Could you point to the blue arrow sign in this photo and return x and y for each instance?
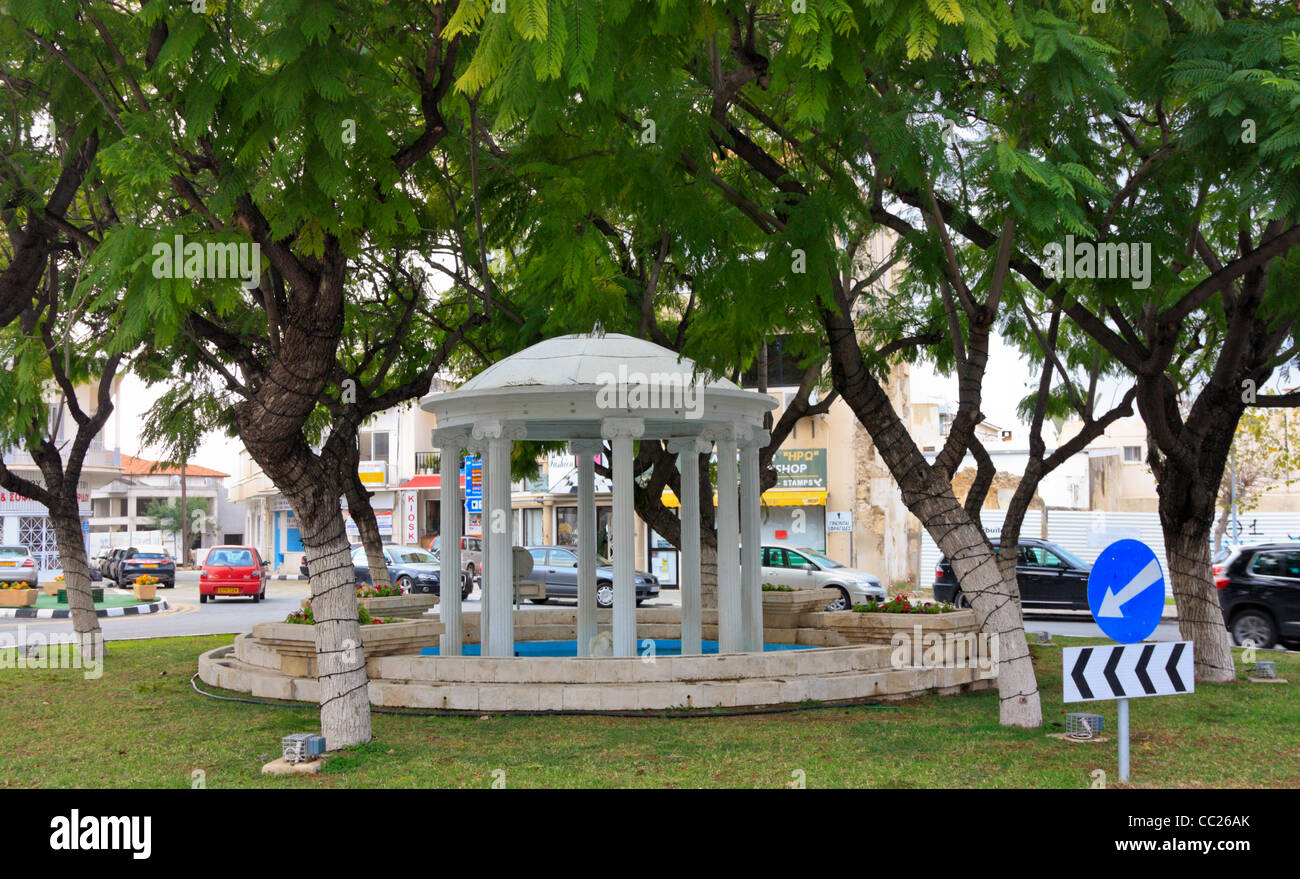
(1126, 591)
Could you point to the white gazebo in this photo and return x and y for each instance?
(585, 390)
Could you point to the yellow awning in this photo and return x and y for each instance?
(776, 497)
(795, 497)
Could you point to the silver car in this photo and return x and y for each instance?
(801, 567)
(16, 563)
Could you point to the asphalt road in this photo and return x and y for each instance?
(185, 616)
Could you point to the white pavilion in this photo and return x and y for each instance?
(586, 390)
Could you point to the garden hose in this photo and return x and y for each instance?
(689, 714)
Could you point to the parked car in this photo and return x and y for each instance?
(302, 566)
(108, 567)
(230, 571)
(1259, 591)
(99, 562)
(1048, 574)
(471, 556)
(16, 564)
(154, 560)
(557, 566)
(801, 567)
(414, 569)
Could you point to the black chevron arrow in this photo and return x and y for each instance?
(1076, 673)
(1142, 669)
(1111, 678)
(1171, 668)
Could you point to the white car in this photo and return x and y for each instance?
(802, 568)
(16, 563)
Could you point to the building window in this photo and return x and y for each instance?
(945, 423)
(374, 445)
(1132, 454)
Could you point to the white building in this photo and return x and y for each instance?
(119, 510)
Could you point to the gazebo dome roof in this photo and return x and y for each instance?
(571, 360)
(563, 388)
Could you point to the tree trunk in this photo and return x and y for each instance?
(993, 595)
(66, 519)
(708, 571)
(1200, 616)
(364, 515)
(340, 659)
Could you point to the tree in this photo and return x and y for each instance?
(175, 517)
(1199, 165)
(792, 129)
(1263, 459)
(308, 138)
(55, 212)
(50, 356)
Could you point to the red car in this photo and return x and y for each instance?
(232, 570)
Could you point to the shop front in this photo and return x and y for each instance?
(24, 522)
(793, 511)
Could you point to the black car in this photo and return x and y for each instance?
(138, 561)
(1049, 576)
(414, 569)
(558, 566)
(1259, 591)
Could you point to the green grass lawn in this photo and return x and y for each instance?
(142, 725)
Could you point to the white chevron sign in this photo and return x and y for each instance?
(1125, 671)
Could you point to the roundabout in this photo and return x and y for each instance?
(732, 647)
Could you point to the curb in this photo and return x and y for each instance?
(285, 577)
(51, 613)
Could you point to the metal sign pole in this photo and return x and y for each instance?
(1123, 740)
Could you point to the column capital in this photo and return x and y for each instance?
(686, 445)
(586, 447)
(758, 438)
(727, 433)
(622, 428)
(447, 437)
(496, 428)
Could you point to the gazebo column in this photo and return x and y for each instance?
(622, 431)
(499, 562)
(688, 451)
(728, 523)
(450, 441)
(478, 448)
(751, 554)
(586, 451)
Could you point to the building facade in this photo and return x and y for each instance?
(120, 509)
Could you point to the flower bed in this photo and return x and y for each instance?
(903, 604)
(18, 593)
(878, 622)
(294, 640)
(391, 601)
